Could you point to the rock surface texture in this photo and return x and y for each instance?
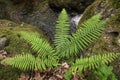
(39, 12)
(109, 9)
(110, 40)
(3, 42)
(76, 5)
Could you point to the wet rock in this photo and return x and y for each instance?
(108, 9)
(109, 41)
(3, 42)
(11, 40)
(39, 12)
(35, 12)
(77, 5)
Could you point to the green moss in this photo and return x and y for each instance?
(8, 73)
(97, 7)
(16, 44)
(106, 7)
(42, 6)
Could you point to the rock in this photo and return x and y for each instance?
(39, 12)
(10, 39)
(108, 9)
(77, 5)
(35, 12)
(3, 42)
(119, 41)
(2, 57)
(3, 52)
(109, 41)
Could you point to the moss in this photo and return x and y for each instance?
(8, 73)
(16, 44)
(42, 6)
(99, 6)
(109, 9)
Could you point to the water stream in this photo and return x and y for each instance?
(75, 19)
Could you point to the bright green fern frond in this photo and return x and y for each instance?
(62, 29)
(39, 45)
(90, 31)
(92, 62)
(23, 62)
(29, 62)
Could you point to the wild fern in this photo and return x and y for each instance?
(90, 63)
(89, 31)
(62, 30)
(27, 62)
(38, 45)
(44, 58)
(65, 46)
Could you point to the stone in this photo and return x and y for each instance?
(10, 39)
(3, 42)
(39, 12)
(111, 35)
(77, 5)
(109, 41)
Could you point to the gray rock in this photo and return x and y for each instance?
(3, 42)
(76, 5)
(38, 12)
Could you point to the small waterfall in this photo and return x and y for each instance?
(75, 19)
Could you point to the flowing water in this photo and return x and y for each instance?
(75, 20)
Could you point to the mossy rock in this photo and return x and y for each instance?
(16, 45)
(109, 40)
(35, 12)
(9, 73)
(10, 30)
(76, 5)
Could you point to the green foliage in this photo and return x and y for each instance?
(44, 58)
(28, 62)
(62, 30)
(91, 63)
(105, 72)
(8, 73)
(65, 47)
(89, 31)
(39, 45)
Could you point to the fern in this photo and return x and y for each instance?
(28, 62)
(39, 45)
(44, 59)
(62, 30)
(91, 63)
(65, 46)
(90, 31)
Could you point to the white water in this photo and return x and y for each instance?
(75, 20)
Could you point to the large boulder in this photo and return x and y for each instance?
(110, 40)
(77, 5)
(39, 12)
(10, 40)
(9, 31)
(35, 12)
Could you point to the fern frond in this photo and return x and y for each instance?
(90, 31)
(29, 62)
(92, 62)
(62, 29)
(39, 45)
